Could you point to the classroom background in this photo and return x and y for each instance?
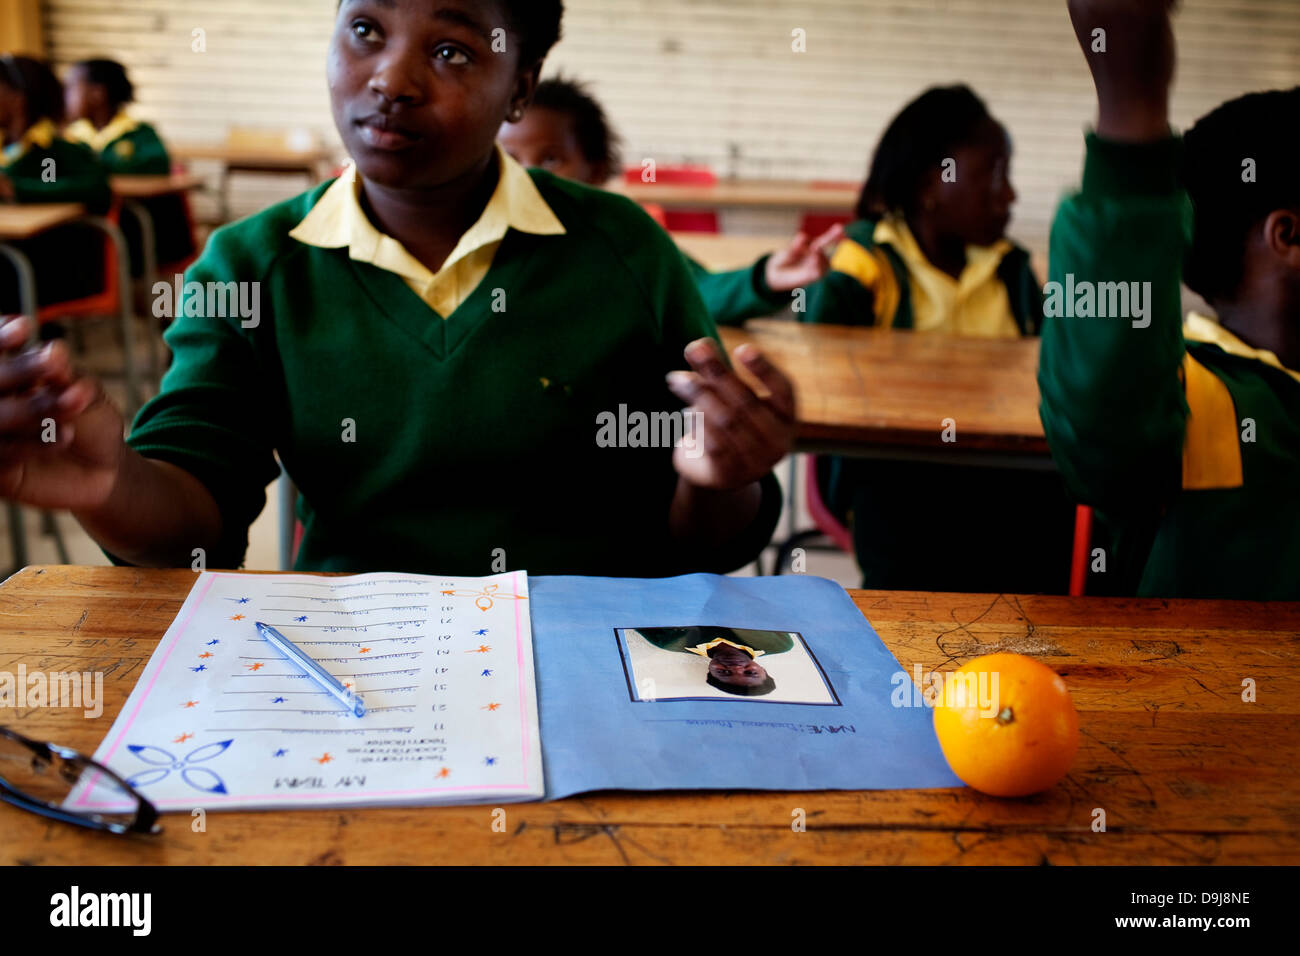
(713, 83)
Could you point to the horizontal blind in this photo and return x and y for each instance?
(709, 81)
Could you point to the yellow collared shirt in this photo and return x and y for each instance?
(337, 221)
(703, 649)
(976, 303)
(1199, 328)
(83, 131)
(41, 134)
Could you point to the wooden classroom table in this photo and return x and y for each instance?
(151, 187)
(745, 193)
(1186, 772)
(25, 221)
(722, 252)
(255, 158)
(886, 393)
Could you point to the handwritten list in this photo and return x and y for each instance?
(221, 719)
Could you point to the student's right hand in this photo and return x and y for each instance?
(42, 396)
(1132, 64)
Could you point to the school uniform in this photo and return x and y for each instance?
(68, 261)
(442, 421)
(128, 147)
(702, 640)
(937, 526)
(737, 295)
(1185, 439)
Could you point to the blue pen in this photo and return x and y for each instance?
(327, 681)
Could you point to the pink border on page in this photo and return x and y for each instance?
(212, 799)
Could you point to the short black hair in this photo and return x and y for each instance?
(536, 23)
(1261, 127)
(916, 141)
(596, 138)
(38, 84)
(111, 75)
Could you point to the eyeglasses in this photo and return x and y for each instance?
(64, 785)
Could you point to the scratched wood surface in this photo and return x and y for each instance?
(1185, 770)
(860, 385)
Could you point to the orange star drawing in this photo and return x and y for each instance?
(326, 758)
(237, 617)
(347, 684)
(448, 592)
(444, 772)
(365, 650)
(490, 707)
(206, 654)
(255, 667)
(182, 738)
(481, 649)
(190, 703)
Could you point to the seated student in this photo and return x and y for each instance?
(97, 93)
(430, 343)
(928, 252)
(37, 166)
(565, 131)
(1184, 437)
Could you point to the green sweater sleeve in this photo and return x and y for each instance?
(838, 299)
(1112, 401)
(740, 294)
(220, 403)
(139, 153)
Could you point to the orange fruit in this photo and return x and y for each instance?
(1006, 725)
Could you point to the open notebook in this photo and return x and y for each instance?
(692, 682)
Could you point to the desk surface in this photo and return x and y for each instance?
(254, 157)
(147, 187)
(23, 222)
(1186, 772)
(745, 192)
(881, 387)
(720, 252)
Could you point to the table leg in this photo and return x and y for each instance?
(28, 305)
(149, 276)
(124, 307)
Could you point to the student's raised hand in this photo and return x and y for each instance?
(739, 436)
(60, 437)
(802, 262)
(1129, 46)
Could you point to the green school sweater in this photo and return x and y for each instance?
(68, 261)
(138, 153)
(442, 445)
(1116, 410)
(738, 295)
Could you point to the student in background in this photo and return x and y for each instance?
(38, 166)
(1185, 437)
(97, 94)
(928, 252)
(429, 343)
(566, 132)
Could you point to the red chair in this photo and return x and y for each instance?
(108, 301)
(824, 519)
(682, 220)
(1082, 550)
(813, 224)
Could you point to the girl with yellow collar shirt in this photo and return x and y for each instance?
(97, 94)
(928, 253)
(37, 166)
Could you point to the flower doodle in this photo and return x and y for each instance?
(200, 778)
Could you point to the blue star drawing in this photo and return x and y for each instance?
(201, 667)
(490, 761)
(278, 700)
(301, 619)
(280, 753)
(486, 673)
(213, 641)
(200, 778)
(238, 600)
(481, 631)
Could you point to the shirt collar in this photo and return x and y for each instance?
(981, 261)
(83, 131)
(41, 135)
(337, 221)
(1200, 328)
(703, 649)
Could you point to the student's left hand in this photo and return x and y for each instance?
(739, 436)
(802, 262)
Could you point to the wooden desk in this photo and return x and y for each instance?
(150, 187)
(23, 222)
(1186, 772)
(863, 388)
(260, 158)
(722, 252)
(750, 193)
